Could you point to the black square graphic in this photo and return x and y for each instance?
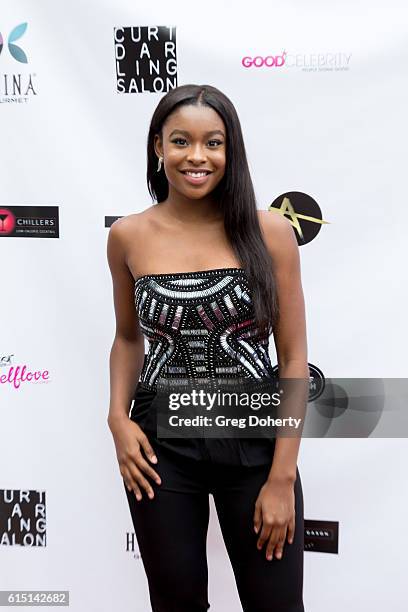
(145, 58)
(322, 536)
(22, 517)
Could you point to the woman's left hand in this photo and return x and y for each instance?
(275, 512)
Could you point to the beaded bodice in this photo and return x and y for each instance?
(199, 325)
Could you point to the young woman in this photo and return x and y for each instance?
(206, 278)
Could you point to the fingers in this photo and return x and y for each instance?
(140, 481)
(274, 532)
(134, 467)
(145, 467)
(291, 530)
(257, 517)
(148, 449)
(276, 543)
(137, 465)
(131, 484)
(264, 535)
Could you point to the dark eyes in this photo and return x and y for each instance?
(176, 140)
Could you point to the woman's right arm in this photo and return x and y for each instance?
(126, 362)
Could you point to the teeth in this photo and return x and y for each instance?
(196, 174)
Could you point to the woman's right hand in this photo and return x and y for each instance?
(129, 439)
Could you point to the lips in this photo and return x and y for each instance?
(196, 171)
(196, 180)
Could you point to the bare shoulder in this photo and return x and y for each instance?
(131, 223)
(131, 229)
(277, 232)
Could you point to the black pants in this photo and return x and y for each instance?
(171, 530)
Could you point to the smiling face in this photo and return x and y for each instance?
(194, 150)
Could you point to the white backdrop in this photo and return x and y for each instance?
(338, 135)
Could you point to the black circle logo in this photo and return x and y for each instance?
(303, 212)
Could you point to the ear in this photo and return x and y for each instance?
(158, 147)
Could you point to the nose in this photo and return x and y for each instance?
(196, 153)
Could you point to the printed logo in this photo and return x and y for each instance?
(15, 87)
(15, 50)
(316, 381)
(16, 375)
(145, 59)
(22, 517)
(303, 213)
(307, 62)
(321, 536)
(132, 545)
(7, 222)
(29, 222)
(275, 61)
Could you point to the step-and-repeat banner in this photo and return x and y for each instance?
(321, 93)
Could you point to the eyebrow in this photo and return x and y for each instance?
(188, 133)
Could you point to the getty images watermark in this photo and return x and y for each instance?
(214, 408)
(284, 407)
(214, 401)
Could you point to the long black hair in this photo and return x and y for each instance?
(235, 194)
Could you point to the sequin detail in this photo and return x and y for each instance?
(199, 325)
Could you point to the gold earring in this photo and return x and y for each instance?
(159, 165)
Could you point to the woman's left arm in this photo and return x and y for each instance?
(274, 509)
(290, 332)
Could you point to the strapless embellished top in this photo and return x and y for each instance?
(199, 325)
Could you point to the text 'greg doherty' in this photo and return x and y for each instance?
(207, 400)
(222, 421)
